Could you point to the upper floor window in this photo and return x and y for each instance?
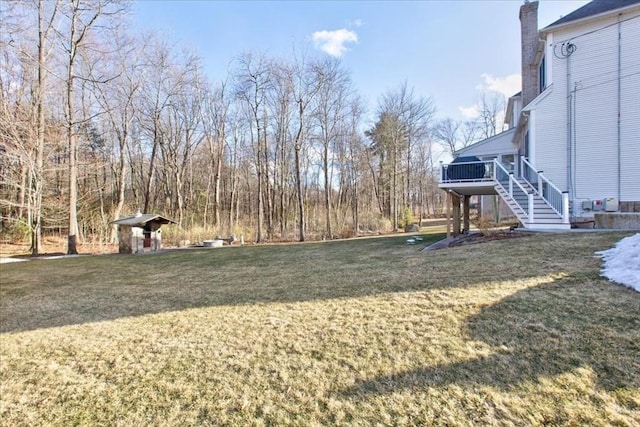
(542, 73)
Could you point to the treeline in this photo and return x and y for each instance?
(96, 122)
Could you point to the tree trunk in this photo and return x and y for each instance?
(36, 226)
(122, 180)
(301, 221)
(259, 236)
(72, 143)
(154, 150)
(327, 189)
(395, 188)
(216, 185)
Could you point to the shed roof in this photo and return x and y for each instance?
(596, 7)
(141, 220)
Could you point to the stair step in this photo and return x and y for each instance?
(543, 214)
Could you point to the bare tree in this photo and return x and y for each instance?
(215, 117)
(330, 111)
(454, 135)
(447, 133)
(281, 113)
(306, 84)
(253, 80)
(403, 119)
(182, 130)
(45, 25)
(26, 26)
(118, 101)
(469, 133)
(83, 17)
(355, 159)
(491, 114)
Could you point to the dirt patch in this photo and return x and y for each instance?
(475, 238)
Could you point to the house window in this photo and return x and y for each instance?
(509, 161)
(542, 73)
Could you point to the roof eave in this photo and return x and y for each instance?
(510, 105)
(482, 142)
(130, 221)
(553, 27)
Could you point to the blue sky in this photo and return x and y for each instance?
(446, 50)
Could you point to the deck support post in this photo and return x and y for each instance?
(465, 214)
(449, 202)
(455, 198)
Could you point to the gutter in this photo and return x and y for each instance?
(523, 120)
(619, 11)
(539, 52)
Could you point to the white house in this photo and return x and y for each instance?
(575, 127)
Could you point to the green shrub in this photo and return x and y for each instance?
(407, 218)
(17, 231)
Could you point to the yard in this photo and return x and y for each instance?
(359, 332)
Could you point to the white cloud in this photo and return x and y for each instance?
(469, 113)
(355, 23)
(507, 86)
(334, 42)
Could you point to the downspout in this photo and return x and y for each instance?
(619, 136)
(569, 139)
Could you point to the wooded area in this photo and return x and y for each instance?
(96, 122)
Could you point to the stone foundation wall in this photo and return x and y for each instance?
(617, 220)
(629, 206)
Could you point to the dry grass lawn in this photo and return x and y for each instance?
(361, 332)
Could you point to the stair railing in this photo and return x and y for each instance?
(516, 191)
(558, 200)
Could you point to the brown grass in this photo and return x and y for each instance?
(361, 332)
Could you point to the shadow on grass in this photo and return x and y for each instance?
(52, 293)
(537, 333)
(45, 294)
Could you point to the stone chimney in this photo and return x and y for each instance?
(529, 45)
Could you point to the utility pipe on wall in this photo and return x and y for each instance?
(569, 152)
(619, 135)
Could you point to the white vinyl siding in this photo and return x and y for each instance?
(550, 59)
(630, 111)
(550, 142)
(593, 82)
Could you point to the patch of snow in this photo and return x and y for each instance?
(58, 256)
(622, 262)
(8, 260)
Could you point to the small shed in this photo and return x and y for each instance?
(140, 233)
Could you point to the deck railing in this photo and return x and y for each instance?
(558, 200)
(492, 170)
(467, 171)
